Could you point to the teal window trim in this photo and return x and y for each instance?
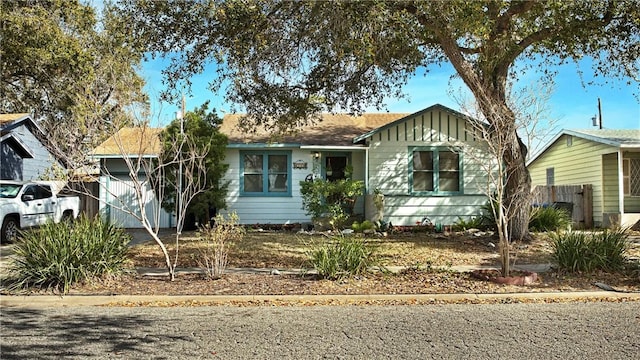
(436, 171)
(265, 174)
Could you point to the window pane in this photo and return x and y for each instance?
(422, 160)
(277, 164)
(278, 183)
(448, 161)
(252, 183)
(449, 181)
(253, 164)
(423, 181)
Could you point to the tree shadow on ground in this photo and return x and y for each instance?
(37, 334)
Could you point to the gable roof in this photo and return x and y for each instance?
(9, 122)
(621, 139)
(406, 117)
(332, 130)
(131, 141)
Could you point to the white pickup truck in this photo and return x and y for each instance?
(27, 204)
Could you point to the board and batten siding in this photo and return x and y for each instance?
(578, 162)
(389, 156)
(118, 201)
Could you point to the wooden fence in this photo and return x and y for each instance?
(579, 198)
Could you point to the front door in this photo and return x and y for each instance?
(335, 167)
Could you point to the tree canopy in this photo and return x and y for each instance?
(292, 59)
(287, 61)
(75, 72)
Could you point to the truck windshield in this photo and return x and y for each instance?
(9, 190)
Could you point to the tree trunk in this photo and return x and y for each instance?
(517, 190)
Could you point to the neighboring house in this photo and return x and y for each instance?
(117, 189)
(22, 155)
(427, 164)
(609, 160)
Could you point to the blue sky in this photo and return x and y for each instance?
(571, 105)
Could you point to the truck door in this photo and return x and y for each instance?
(32, 207)
(48, 203)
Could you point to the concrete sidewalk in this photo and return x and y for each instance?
(46, 301)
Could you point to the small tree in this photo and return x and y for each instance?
(202, 128)
(496, 140)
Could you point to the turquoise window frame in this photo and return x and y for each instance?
(436, 171)
(265, 172)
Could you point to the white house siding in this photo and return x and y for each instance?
(581, 162)
(118, 201)
(267, 210)
(389, 169)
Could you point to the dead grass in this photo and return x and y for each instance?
(286, 250)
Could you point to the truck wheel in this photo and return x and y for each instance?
(66, 216)
(10, 229)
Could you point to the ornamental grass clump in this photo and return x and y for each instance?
(215, 243)
(342, 257)
(587, 252)
(549, 219)
(56, 256)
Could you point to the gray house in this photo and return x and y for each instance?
(22, 155)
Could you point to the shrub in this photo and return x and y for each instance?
(341, 257)
(582, 252)
(363, 226)
(333, 200)
(549, 219)
(476, 222)
(56, 256)
(216, 241)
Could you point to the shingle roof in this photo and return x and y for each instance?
(624, 138)
(615, 137)
(134, 141)
(336, 130)
(9, 118)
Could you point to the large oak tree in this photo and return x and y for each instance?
(287, 61)
(73, 70)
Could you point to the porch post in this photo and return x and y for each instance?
(366, 170)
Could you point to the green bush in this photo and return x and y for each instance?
(476, 222)
(582, 252)
(363, 226)
(331, 199)
(56, 256)
(342, 257)
(549, 219)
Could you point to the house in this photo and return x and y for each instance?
(428, 164)
(128, 151)
(608, 160)
(23, 155)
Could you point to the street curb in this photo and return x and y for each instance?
(48, 301)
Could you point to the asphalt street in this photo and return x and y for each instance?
(498, 331)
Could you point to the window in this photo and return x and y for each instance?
(435, 171)
(551, 176)
(631, 176)
(265, 173)
(38, 191)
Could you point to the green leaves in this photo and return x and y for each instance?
(56, 256)
(333, 200)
